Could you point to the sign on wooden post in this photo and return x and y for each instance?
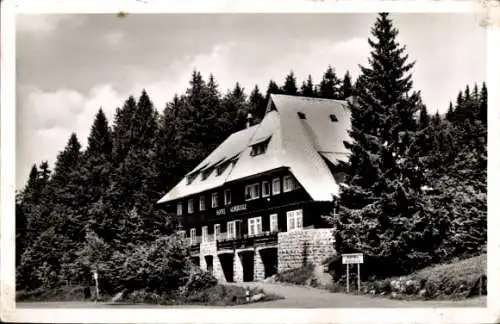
(353, 258)
(96, 284)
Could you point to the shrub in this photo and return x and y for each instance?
(199, 280)
(160, 267)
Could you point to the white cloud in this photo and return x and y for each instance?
(42, 24)
(48, 119)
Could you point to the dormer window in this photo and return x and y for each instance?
(206, 173)
(301, 115)
(221, 168)
(260, 147)
(333, 118)
(191, 177)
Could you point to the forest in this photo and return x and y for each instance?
(415, 193)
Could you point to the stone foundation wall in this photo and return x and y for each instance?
(237, 268)
(304, 246)
(210, 248)
(258, 266)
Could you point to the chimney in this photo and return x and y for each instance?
(249, 120)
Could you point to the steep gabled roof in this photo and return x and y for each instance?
(299, 131)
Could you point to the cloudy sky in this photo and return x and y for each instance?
(70, 65)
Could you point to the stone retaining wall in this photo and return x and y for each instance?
(210, 249)
(304, 246)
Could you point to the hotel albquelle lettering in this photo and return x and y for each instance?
(232, 209)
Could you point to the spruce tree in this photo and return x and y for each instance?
(272, 88)
(424, 118)
(257, 104)
(290, 86)
(308, 89)
(122, 130)
(483, 104)
(449, 113)
(380, 205)
(347, 89)
(329, 87)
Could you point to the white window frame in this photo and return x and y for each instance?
(226, 200)
(182, 234)
(268, 189)
(202, 203)
(216, 231)
(192, 235)
(276, 186)
(252, 188)
(215, 199)
(190, 206)
(254, 226)
(273, 223)
(231, 234)
(287, 183)
(204, 233)
(179, 208)
(294, 220)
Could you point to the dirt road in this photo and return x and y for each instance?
(295, 297)
(307, 297)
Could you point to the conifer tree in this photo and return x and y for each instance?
(381, 202)
(290, 86)
(308, 89)
(346, 90)
(449, 113)
(483, 104)
(257, 104)
(329, 86)
(424, 118)
(272, 88)
(122, 130)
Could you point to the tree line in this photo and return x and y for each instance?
(415, 191)
(97, 205)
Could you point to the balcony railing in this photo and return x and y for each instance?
(224, 240)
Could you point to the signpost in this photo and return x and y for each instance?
(96, 284)
(352, 258)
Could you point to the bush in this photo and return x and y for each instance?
(199, 280)
(160, 267)
(297, 276)
(461, 279)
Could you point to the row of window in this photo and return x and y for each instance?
(294, 222)
(252, 192)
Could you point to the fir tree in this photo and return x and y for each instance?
(257, 104)
(346, 90)
(329, 86)
(380, 204)
(122, 130)
(424, 118)
(308, 89)
(272, 88)
(290, 86)
(483, 104)
(449, 113)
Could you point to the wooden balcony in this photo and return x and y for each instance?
(245, 241)
(225, 242)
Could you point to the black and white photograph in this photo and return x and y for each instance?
(250, 161)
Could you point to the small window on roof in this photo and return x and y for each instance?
(333, 118)
(301, 115)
